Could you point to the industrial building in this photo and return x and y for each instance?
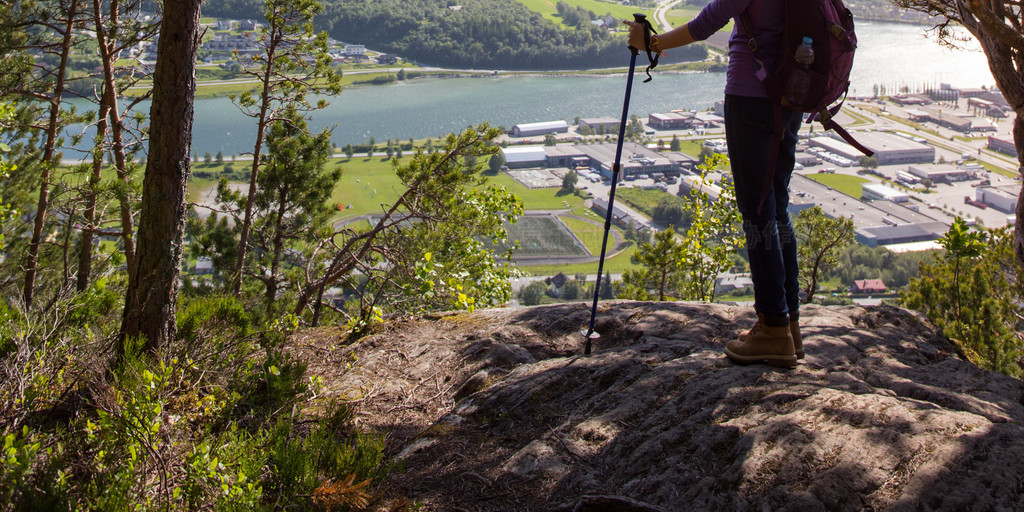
(671, 120)
(519, 157)
(879, 192)
(1002, 145)
(691, 183)
(599, 124)
(636, 159)
(535, 129)
(901, 234)
(1003, 199)
(889, 148)
(940, 173)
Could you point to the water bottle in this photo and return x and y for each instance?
(800, 78)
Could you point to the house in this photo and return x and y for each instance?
(354, 50)
(204, 266)
(247, 25)
(556, 283)
(387, 58)
(868, 286)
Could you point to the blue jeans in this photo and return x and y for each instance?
(771, 243)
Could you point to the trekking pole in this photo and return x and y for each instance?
(589, 333)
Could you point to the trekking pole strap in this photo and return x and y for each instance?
(652, 57)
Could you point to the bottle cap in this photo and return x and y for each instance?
(808, 41)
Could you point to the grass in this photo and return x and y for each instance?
(538, 198)
(646, 200)
(548, 9)
(365, 184)
(849, 185)
(616, 264)
(591, 233)
(543, 235)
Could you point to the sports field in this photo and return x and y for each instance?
(544, 236)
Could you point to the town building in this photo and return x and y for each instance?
(619, 216)
(568, 156)
(599, 124)
(889, 148)
(691, 183)
(902, 234)
(536, 129)
(675, 120)
(986, 108)
(1002, 145)
(227, 46)
(910, 99)
(868, 286)
(637, 160)
(879, 192)
(940, 173)
(520, 157)
(355, 50)
(1003, 199)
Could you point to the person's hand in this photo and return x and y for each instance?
(636, 35)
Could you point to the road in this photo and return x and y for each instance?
(661, 13)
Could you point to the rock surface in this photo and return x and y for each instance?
(497, 410)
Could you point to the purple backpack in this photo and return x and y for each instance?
(830, 25)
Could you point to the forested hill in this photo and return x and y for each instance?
(478, 34)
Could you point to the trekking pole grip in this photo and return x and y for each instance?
(642, 20)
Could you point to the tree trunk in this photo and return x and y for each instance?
(89, 221)
(107, 56)
(52, 127)
(278, 250)
(153, 285)
(261, 133)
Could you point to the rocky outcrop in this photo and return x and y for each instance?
(498, 410)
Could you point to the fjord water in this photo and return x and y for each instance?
(892, 55)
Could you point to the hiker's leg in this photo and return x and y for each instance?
(783, 172)
(748, 129)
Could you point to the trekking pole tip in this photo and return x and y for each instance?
(590, 336)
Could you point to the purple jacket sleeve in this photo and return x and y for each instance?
(714, 16)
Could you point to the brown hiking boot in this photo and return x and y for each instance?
(798, 341)
(757, 325)
(769, 344)
(794, 331)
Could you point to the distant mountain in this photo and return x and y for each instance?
(472, 34)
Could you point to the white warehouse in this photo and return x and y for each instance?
(518, 157)
(876, 191)
(535, 129)
(1000, 199)
(889, 148)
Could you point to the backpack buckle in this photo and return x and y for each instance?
(838, 31)
(752, 44)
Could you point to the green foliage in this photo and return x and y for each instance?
(857, 261)
(819, 239)
(481, 33)
(441, 257)
(194, 429)
(713, 235)
(661, 274)
(973, 294)
(569, 182)
(533, 293)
